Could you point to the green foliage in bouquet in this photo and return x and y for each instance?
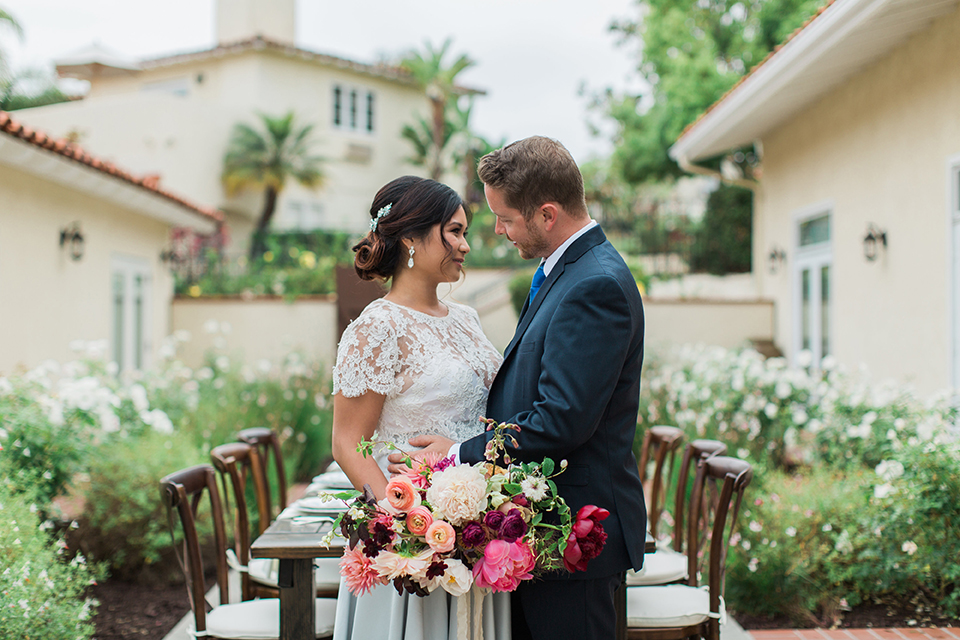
(41, 590)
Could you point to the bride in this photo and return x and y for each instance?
(410, 365)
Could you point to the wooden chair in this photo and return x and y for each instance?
(239, 462)
(182, 492)
(659, 443)
(669, 564)
(679, 611)
(268, 446)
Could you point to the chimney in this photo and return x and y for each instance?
(245, 19)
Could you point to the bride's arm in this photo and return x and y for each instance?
(355, 419)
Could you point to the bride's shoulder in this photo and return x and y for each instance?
(376, 317)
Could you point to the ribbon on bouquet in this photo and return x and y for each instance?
(470, 614)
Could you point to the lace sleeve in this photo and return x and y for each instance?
(368, 357)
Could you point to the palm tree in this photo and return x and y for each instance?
(8, 22)
(438, 82)
(268, 159)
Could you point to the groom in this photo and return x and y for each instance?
(570, 379)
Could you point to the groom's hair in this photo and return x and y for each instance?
(534, 171)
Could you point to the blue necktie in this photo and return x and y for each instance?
(538, 279)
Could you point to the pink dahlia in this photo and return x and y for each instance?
(358, 571)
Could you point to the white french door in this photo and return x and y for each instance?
(130, 283)
(812, 289)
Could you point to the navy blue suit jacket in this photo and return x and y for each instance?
(571, 380)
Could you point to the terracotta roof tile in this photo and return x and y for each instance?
(62, 147)
(752, 71)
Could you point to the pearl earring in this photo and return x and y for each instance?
(410, 261)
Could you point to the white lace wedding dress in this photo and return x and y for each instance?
(436, 374)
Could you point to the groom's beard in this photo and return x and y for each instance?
(534, 246)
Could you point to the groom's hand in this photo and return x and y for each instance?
(431, 444)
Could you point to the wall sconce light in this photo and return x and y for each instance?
(776, 258)
(71, 235)
(875, 238)
(171, 258)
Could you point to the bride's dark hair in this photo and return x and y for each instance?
(417, 205)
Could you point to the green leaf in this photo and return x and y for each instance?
(512, 488)
(547, 467)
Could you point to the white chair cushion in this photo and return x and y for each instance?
(260, 619)
(264, 571)
(326, 573)
(674, 605)
(663, 567)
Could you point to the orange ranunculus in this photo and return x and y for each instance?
(419, 520)
(440, 536)
(401, 494)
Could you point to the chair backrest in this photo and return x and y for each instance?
(268, 446)
(692, 454)
(182, 492)
(660, 443)
(717, 494)
(238, 462)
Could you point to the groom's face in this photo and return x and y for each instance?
(525, 235)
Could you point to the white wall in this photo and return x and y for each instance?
(263, 328)
(47, 299)
(874, 150)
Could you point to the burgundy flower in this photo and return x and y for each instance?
(474, 534)
(494, 519)
(436, 569)
(513, 526)
(586, 539)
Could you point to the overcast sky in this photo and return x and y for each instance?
(532, 55)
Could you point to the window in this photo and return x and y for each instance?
(812, 288)
(130, 313)
(337, 107)
(353, 109)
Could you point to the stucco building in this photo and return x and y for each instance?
(172, 116)
(857, 211)
(81, 246)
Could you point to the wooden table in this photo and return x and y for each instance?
(296, 545)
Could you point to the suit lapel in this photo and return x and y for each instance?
(584, 243)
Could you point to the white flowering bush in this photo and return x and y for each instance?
(854, 498)
(783, 416)
(110, 437)
(41, 589)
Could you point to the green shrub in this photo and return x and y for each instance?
(794, 533)
(124, 524)
(519, 288)
(41, 593)
(722, 242)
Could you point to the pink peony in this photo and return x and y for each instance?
(504, 565)
(401, 494)
(586, 539)
(358, 571)
(418, 520)
(440, 536)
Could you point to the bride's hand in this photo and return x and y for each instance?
(430, 444)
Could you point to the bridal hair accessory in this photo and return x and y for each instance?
(464, 527)
(380, 214)
(410, 261)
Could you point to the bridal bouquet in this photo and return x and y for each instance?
(456, 526)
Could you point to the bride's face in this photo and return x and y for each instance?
(444, 261)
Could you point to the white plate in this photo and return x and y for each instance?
(332, 480)
(313, 504)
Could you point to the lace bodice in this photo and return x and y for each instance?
(435, 372)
